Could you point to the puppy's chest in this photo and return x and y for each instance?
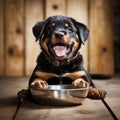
(45, 66)
(62, 73)
(60, 70)
(57, 79)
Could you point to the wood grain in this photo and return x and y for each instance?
(8, 95)
(55, 7)
(18, 49)
(33, 13)
(78, 9)
(14, 36)
(101, 37)
(1, 37)
(89, 110)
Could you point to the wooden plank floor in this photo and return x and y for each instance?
(91, 109)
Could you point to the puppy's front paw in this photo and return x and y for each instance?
(79, 83)
(95, 93)
(23, 93)
(39, 84)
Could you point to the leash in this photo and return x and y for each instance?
(103, 100)
(109, 109)
(20, 100)
(22, 94)
(107, 106)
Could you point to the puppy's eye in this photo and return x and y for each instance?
(53, 24)
(66, 25)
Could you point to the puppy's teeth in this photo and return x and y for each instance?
(68, 50)
(54, 48)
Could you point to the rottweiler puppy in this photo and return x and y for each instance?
(60, 39)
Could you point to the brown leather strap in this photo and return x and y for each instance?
(61, 62)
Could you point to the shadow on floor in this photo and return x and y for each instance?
(8, 101)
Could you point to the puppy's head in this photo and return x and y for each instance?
(60, 37)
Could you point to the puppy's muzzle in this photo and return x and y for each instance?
(60, 34)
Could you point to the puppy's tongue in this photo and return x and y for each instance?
(60, 50)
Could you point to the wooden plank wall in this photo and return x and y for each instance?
(34, 12)
(18, 49)
(1, 38)
(81, 16)
(14, 37)
(101, 53)
(55, 7)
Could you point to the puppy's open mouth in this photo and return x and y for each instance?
(61, 49)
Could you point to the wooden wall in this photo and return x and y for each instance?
(18, 49)
(101, 38)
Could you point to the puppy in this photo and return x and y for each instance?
(60, 39)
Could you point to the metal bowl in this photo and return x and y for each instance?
(59, 95)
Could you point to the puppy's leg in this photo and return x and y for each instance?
(79, 83)
(74, 75)
(41, 80)
(45, 75)
(39, 83)
(96, 93)
(24, 93)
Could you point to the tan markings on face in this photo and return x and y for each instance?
(53, 24)
(64, 40)
(66, 37)
(66, 25)
(44, 45)
(53, 39)
(42, 36)
(75, 46)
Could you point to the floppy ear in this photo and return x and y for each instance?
(82, 30)
(38, 30)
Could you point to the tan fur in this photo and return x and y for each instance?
(79, 83)
(39, 83)
(74, 75)
(44, 75)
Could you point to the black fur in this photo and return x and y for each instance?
(80, 28)
(55, 34)
(43, 64)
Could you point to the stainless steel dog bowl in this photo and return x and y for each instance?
(59, 95)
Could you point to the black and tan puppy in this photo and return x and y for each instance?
(60, 38)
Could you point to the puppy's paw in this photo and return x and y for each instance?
(23, 93)
(95, 93)
(39, 84)
(79, 83)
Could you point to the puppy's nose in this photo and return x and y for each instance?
(59, 34)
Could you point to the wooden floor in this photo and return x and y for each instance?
(90, 110)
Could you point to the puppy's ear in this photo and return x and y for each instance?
(38, 30)
(82, 30)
